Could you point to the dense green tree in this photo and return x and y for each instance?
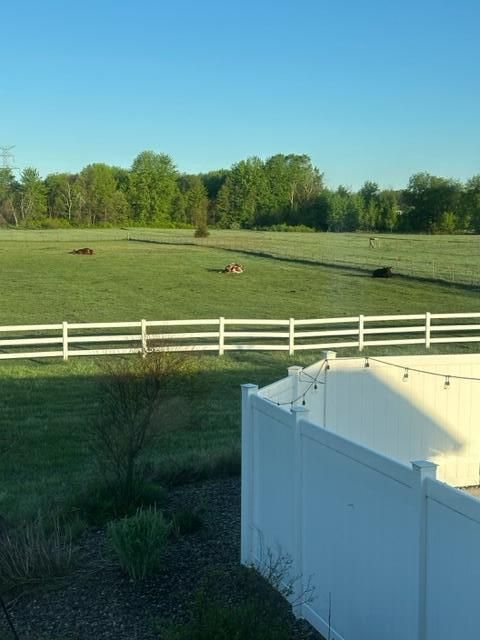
(8, 190)
(243, 194)
(64, 196)
(369, 194)
(337, 209)
(471, 204)
(429, 198)
(153, 188)
(387, 209)
(294, 184)
(195, 199)
(103, 201)
(32, 198)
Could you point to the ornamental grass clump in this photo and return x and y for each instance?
(35, 552)
(139, 542)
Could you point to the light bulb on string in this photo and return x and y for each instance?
(405, 375)
(447, 382)
(367, 364)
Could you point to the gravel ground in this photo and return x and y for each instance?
(98, 602)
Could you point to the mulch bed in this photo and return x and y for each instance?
(99, 602)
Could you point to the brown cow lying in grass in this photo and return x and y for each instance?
(233, 267)
(86, 251)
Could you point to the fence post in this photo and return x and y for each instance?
(294, 372)
(291, 337)
(246, 544)
(428, 321)
(423, 469)
(361, 321)
(65, 340)
(298, 594)
(221, 336)
(144, 338)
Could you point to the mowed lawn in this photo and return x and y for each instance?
(44, 406)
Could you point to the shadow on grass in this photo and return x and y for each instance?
(356, 269)
(44, 409)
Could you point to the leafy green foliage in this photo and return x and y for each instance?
(139, 542)
(152, 188)
(97, 193)
(254, 193)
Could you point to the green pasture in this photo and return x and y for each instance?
(450, 258)
(44, 405)
(42, 282)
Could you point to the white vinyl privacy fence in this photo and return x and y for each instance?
(390, 551)
(72, 339)
(405, 407)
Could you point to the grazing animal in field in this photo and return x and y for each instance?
(86, 251)
(233, 267)
(384, 272)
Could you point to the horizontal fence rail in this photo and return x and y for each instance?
(66, 340)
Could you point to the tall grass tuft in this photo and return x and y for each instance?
(139, 542)
(35, 552)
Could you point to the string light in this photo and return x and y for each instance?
(314, 381)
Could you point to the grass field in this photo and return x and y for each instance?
(42, 282)
(447, 258)
(44, 406)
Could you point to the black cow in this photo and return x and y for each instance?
(384, 272)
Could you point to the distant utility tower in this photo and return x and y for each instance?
(7, 156)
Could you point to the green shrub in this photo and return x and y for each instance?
(139, 542)
(202, 231)
(104, 501)
(130, 419)
(35, 552)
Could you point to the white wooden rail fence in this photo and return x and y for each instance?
(71, 339)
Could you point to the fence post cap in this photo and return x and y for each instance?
(249, 385)
(294, 370)
(299, 409)
(329, 355)
(425, 468)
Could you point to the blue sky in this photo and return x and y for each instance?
(369, 89)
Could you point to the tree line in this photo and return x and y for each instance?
(282, 192)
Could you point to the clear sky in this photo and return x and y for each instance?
(369, 89)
